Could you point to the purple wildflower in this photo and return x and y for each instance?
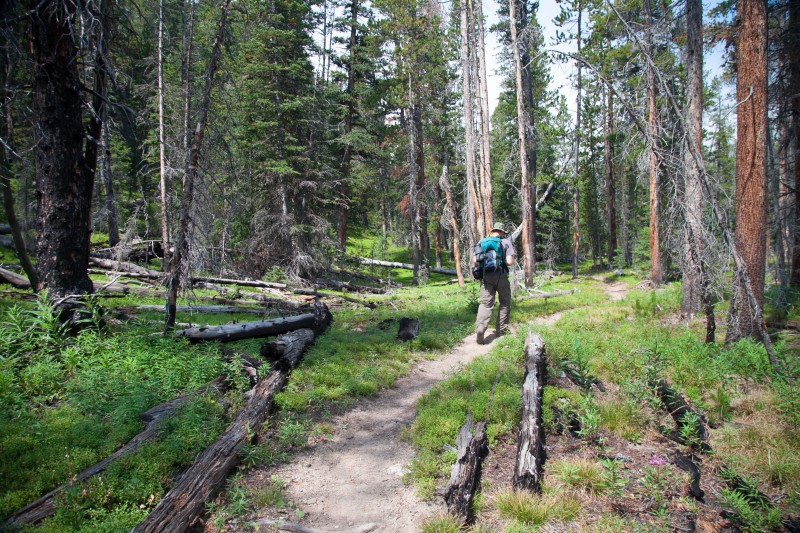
(657, 460)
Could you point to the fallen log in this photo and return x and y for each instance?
(182, 506)
(408, 329)
(547, 294)
(6, 241)
(686, 464)
(5, 229)
(125, 267)
(202, 309)
(584, 382)
(44, 507)
(17, 281)
(366, 277)
(683, 414)
(407, 266)
(306, 292)
(465, 473)
(347, 286)
(240, 282)
(530, 452)
(142, 251)
(252, 330)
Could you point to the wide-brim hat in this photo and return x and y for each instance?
(498, 226)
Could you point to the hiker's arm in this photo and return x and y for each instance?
(509, 260)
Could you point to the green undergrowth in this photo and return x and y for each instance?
(69, 401)
(628, 345)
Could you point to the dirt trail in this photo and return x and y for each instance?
(353, 481)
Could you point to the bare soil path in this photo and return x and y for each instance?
(353, 481)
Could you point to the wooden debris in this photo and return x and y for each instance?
(681, 413)
(347, 286)
(186, 501)
(203, 309)
(125, 267)
(407, 266)
(685, 463)
(408, 329)
(547, 294)
(260, 328)
(530, 452)
(306, 292)
(44, 507)
(16, 280)
(240, 282)
(471, 448)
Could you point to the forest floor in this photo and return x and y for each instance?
(352, 479)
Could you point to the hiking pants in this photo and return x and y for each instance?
(494, 282)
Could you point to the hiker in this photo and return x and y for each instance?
(493, 255)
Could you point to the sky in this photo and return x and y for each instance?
(561, 71)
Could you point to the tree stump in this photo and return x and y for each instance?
(408, 329)
(465, 472)
(530, 452)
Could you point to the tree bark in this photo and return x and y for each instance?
(164, 184)
(751, 148)
(475, 212)
(652, 117)
(186, 501)
(192, 169)
(451, 209)
(64, 181)
(576, 185)
(465, 473)
(7, 63)
(531, 451)
(260, 328)
(486, 167)
(611, 181)
(347, 156)
(693, 284)
(793, 45)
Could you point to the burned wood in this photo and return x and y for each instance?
(471, 448)
(125, 267)
(225, 309)
(683, 414)
(366, 277)
(14, 279)
(347, 286)
(685, 463)
(531, 452)
(6, 241)
(408, 329)
(186, 501)
(582, 380)
(406, 266)
(320, 318)
(306, 292)
(141, 252)
(547, 294)
(746, 488)
(240, 282)
(44, 507)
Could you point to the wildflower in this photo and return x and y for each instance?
(657, 460)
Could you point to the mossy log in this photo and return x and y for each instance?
(183, 505)
(471, 448)
(530, 451)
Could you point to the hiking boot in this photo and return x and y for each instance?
(479, 337)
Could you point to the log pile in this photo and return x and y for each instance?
(531, 451)
(183, 505)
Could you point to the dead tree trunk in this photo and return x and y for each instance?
(260, 328)
(465, 473)
(652, 117)
(530, 452)
(408, 266)
(451, 208)
(576, 185)
(682, 413)
(186, 501)
(192, 169)
(44, 507)
(476, 222)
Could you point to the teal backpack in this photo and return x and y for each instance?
(491, 256)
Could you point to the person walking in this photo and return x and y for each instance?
(494, 254)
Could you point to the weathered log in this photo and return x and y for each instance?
(682, 413)
(306, 292)
(142, 251)
(547, 294)
(366, 277)
(6, 241)
(240, 282)
(406, 266)
(44, 507)
(5, 229)
(126, 267)
(186, 501)
(203, 309)
(408, 329)
(248, 330)
(686, 464)
(16, 281)
(347, 286)
(530, 452)
(465, 473)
